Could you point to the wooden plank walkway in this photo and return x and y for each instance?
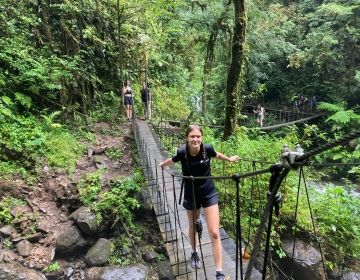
(164, 190)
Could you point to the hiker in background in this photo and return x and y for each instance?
(195, 158)
(302, 101)
(313, 103)
(260, 114)
(127, 96)
(146, 99)
(296, 104)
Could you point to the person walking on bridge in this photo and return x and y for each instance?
(195, 158)
(127, 96)
(260, 114)
(146, 99)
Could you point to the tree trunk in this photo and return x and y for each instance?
(208, 65)
(210, 46)
(233, 79)
(120, 11)
(44, 15)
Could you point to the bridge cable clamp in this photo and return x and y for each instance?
(289, 156)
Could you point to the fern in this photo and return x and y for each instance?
(330, 107)
(23, 99)
(341, 116)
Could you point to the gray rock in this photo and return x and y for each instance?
(132, 272)
(85, 220)
(307, 260)
(351, 276)
(149, 257)
(70, 240)
(75, 215)
(69, 271)
(24, 248)
(7, 230)
(145, 202)
(165, 271)
(99, 253)
(15, 271)
(7, 256)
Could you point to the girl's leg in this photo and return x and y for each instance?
(191, 221)
(213, 224)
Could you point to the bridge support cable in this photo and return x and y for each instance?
(197, 228)
(312, 221)
(280, 173)
(250, 210)
(284, 170)
(295, 228)
(236, 178)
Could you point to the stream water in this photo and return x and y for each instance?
(321, 186)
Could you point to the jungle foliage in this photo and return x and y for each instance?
(63, 63)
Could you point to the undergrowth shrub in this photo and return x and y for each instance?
(27, 142)
(6, 204)
(115, 201)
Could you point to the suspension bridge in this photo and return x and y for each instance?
(279, 117)
(164, 190)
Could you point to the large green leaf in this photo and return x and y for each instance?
(23, 99)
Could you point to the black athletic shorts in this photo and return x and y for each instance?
(128, 101)
(201, 201)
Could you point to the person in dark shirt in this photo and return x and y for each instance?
(195, 158)
(146, 99)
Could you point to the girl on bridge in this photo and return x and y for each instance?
(127, 95)
(195, 161)
(260, 114)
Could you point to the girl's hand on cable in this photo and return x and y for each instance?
(234, 158)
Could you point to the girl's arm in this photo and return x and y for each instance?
(223, 157)
(166, 162)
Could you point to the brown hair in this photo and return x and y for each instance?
(192, 127)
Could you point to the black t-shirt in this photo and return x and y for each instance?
(145, 94)
(198, 165)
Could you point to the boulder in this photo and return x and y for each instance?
(24, 248)
(132, 272)
(8, 256)
(7, 230)
(165, 271)
(85, 220)
(70, 240)
(15, 271)
(307, 261)
(99, 253)
(351, 276)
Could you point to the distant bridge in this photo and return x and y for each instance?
(278, 117)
